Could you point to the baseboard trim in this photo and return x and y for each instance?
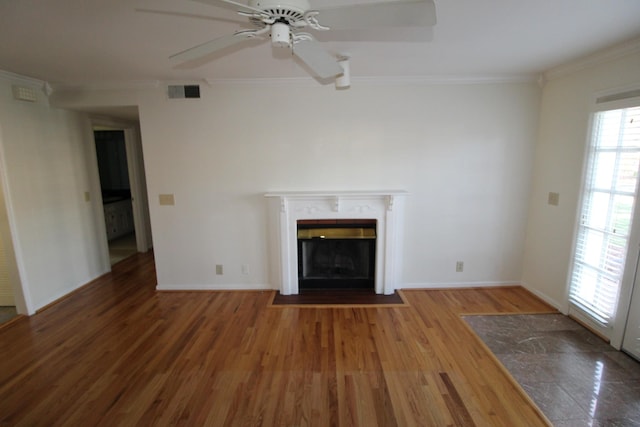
(70, 293)
(459, 285)
(216, 287)
(12, 320)
(544, 297)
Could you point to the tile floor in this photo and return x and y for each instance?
(7, 313)
(574, 377)
(122, 247)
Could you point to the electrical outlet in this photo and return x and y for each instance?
(459, 267)
(219, 269)
(553, 199)
(245, 269)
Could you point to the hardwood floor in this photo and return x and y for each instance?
(119, 353)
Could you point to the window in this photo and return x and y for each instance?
(608, 202)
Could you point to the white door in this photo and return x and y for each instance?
(607, 234)
(631, 341)
(606, 218)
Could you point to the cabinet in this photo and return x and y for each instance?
(118, 217)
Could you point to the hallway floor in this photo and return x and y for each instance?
(122, 247)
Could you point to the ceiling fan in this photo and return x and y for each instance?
(284, 21)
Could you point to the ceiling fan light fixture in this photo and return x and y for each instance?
(280, 35)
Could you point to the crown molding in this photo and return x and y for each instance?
(621, 50)
(107, 86)
(383, 80)
(306, 82)
(453, 79)
(23, 80)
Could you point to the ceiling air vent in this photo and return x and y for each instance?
(183, 91)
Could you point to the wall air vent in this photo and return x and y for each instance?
(183, 91)
(22, 93)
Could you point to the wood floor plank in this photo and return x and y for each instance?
(117, 352)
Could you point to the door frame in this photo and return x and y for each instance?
(137, 182)
(614, 332)
(16, 270)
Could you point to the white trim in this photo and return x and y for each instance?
(561, 307)
(308, 82)
(337, 194)
(586, 319)
(614, 331)
(135, 166)
(386, 207)
(565, 306)
(23, 80)
(216, 287)
(133, 147)
(22, 291)
(460, 285)
(91, 87)
(447, 79)
(385, 80)
(609, 54)
(624, 97)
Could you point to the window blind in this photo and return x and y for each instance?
(607, 210)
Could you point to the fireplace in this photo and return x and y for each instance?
(287, 209)
(336, 254)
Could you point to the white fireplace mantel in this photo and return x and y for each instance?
(386, 207)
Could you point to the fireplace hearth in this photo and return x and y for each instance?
(337, 254)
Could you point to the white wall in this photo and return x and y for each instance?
(45, 177)
(464, 153)
(560, 150)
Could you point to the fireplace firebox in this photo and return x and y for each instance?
(336, 254)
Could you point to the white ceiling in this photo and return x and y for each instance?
(98, 42)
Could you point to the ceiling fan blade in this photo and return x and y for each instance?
(315, 57)
(233, 5)
(406, 13)
(210, 47)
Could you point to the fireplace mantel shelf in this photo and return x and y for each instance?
(336, 196)
(385, 206)
(305, 194)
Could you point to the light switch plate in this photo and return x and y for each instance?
(166, 200)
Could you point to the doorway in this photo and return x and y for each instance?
(122, 188)
(115, 189)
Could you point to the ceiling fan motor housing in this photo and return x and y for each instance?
(284, 11)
